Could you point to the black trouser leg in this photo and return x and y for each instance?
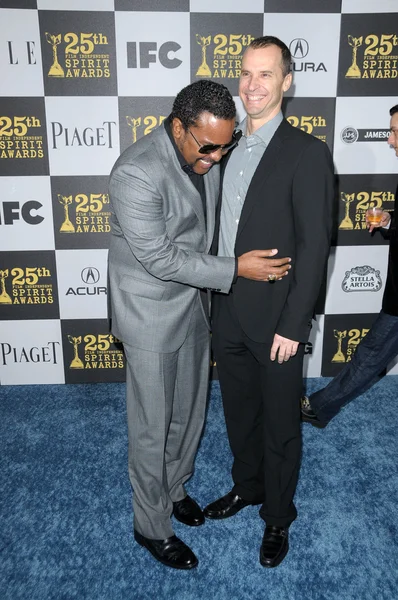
(262, 411)
(240, 384)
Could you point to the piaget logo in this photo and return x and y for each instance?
(362, 279)
(79, 55)
(378, 60)
(221, 55)
(18, 138)
(309, 124)
(95, 352)
(143, 124)
(355, 219)
(85, 213)
(26, 286)
(350, 338)
(34, 354)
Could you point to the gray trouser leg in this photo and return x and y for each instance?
(166, 400)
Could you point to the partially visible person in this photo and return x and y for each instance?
(278, 190)
(379, 347)
(163, 192)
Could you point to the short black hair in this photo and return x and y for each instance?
(203, 96)
(393, 110)
(269, 40)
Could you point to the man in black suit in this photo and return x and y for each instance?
(277, 193)
(379, 347)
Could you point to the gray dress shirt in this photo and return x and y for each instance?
(237, 177)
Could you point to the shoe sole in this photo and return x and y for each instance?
(316, 424)
(277, 561)
(142, 542)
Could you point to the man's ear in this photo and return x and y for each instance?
(177, 128)
(287, 82)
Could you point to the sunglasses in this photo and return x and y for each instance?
(210, 148)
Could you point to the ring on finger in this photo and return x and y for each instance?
(271, 277)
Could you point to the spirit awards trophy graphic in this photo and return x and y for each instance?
(354, 71)
(134, 124)
(55, 70)
(4, 297)
(76, 362)
(67, 226)
(347, 223)
(339, 356)
(204, 68)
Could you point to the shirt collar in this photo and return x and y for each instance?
(264, 134)
(183, 163)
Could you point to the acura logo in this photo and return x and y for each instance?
(299, 48)
(90, 275)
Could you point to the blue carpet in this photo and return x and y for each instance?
(66, 522)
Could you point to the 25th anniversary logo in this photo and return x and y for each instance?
(78, 53)
(368, 55)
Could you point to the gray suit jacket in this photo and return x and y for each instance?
(158, 256)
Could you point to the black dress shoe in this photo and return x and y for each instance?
(274, 546)
(188, 512)
(172, 551)
(225, 507)
(308, 415)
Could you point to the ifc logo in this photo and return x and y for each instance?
(349, 135)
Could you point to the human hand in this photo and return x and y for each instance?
(385, 219)
(284, 348)
(255, 265)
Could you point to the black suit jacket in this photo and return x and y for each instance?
(288, 206)
(390, 297)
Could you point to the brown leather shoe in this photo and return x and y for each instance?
(275, 546)
(171, 552)
(225, 507)
(188, 511)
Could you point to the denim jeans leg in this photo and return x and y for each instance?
(373, 354)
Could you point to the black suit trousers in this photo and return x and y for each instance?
(261, 401)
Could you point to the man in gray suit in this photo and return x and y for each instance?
(163, 192)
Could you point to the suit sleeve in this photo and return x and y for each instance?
(138, 207)
(313, 194)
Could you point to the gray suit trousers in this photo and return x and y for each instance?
(166, 402)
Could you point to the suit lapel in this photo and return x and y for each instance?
(212, 187)
(265, 167)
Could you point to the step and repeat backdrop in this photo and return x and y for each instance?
(83, 79)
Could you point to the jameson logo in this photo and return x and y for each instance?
(143, 125)
(221, 55)
(19, 138)
(373, 57)
(95, 352)
(347, 342)
(23, 355)
(78, 55)
(362, 279)
(355, 218)
(350, 135)
(26, 286)
(309, 124)
(85, 213)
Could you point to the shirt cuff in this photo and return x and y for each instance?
(236, 272)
